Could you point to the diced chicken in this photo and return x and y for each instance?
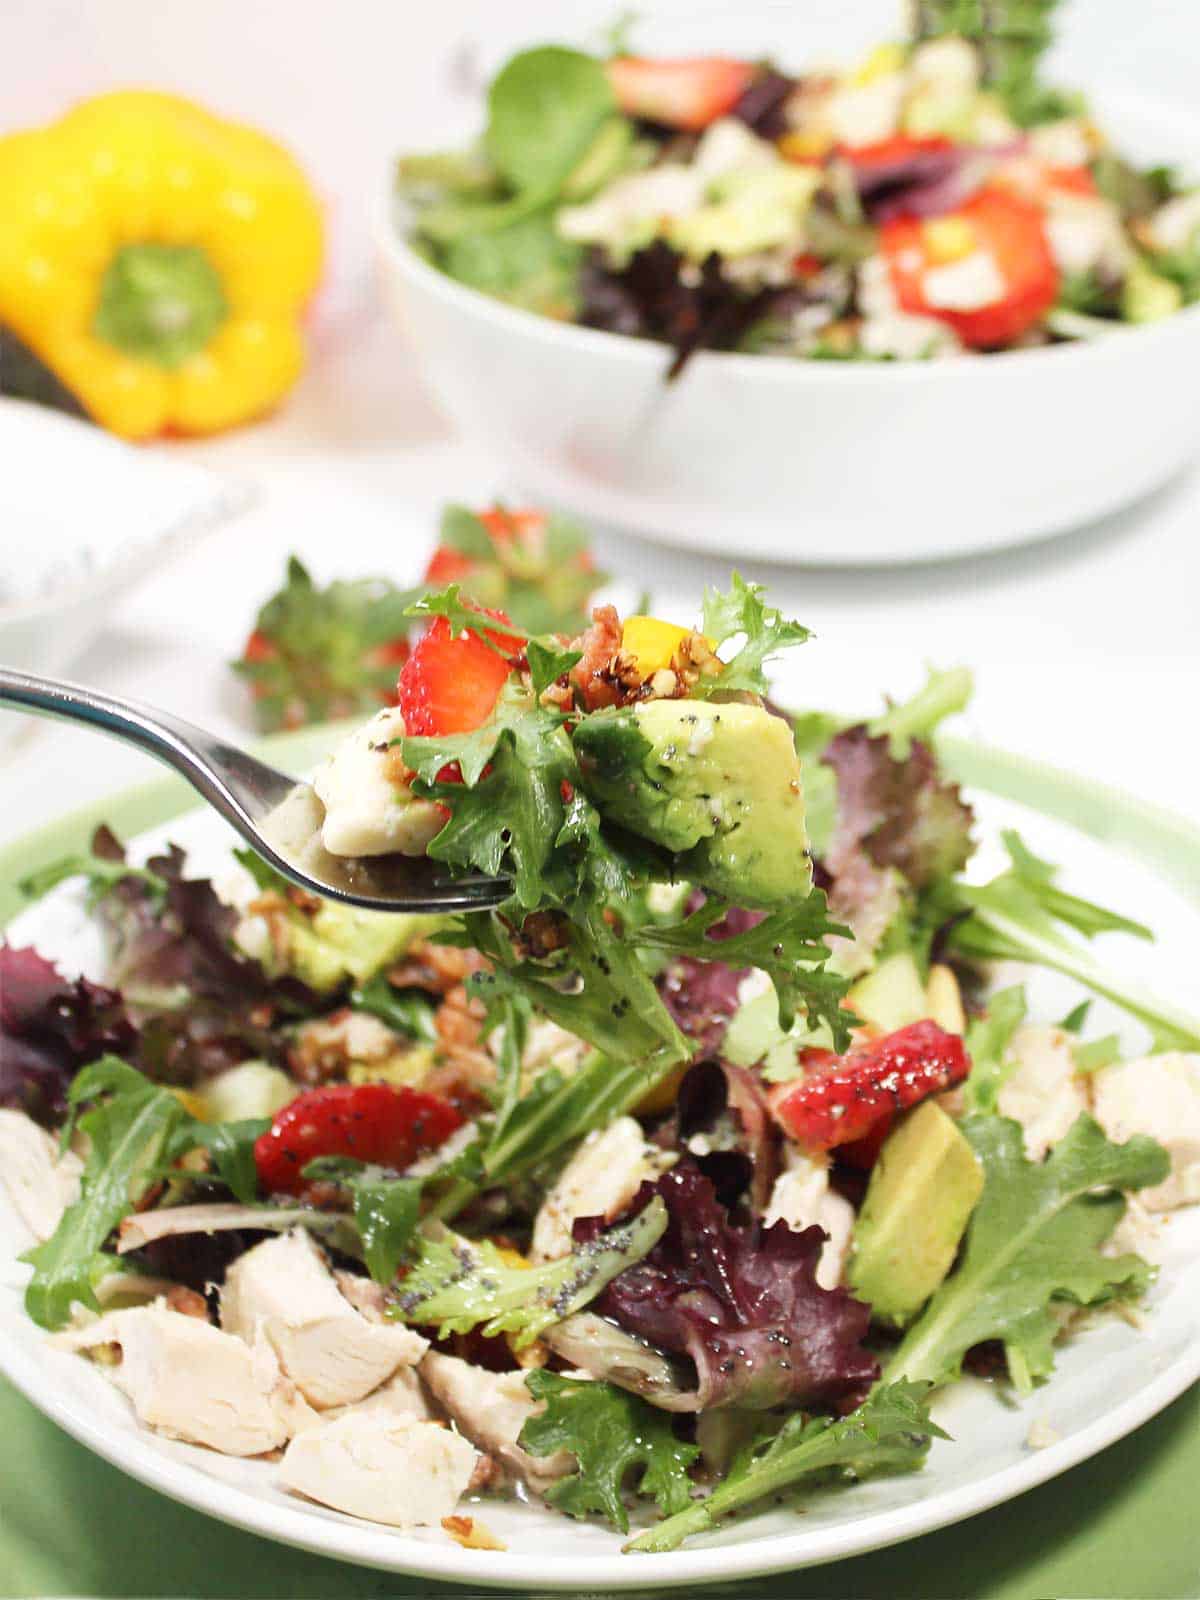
(364, 1294)
(801, 1198)
(401, 1396)
(41, 1183)
(1138, 1233)
(283, 1291)
(600, 1180)
(1064, 143)
(1176, 225)
(888, 331)
(1044, 1093)
(947, 64)
(866, 113)
(1159, 1096)
(190, 1381)
(1086, 235)
(629, 212)
(491, 1408)
(392, 1469)
(728, 145)
(367, 813)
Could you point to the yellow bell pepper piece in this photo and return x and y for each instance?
(948, 239)
(192, 1103)
(884, 60)
(652, 643)
(156, 260)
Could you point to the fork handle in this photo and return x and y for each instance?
(238, 786)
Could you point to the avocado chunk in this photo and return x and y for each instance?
(892, 995)
(749, 211)
(920, 1198)
(1147, 297)
(718, 785)
(339, 942)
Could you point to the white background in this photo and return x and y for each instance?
(1085, 649)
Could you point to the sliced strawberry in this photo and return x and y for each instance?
(450, 685)
(845, 1099)
(447, 566)
(506, 526)
(1008, 229)
(888, 152)
(372, 1122)
(679, 94)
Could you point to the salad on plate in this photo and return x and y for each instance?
(935, 199)
(678, 1184)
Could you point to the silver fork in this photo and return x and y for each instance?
(278, 817)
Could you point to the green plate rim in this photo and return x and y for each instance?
(1162, 840)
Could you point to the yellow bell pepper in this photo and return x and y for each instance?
(156, 260)
(651, 643)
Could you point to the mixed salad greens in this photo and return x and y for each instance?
(680, 1182)
(936, 198)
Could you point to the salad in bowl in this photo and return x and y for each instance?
(932, 200)
(683, 1180)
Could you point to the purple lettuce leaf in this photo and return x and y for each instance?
(728, 1106)
(703, 995)
(50, 1026)
(923, 183)
(895, 813)
(742, 1303)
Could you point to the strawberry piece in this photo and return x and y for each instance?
(679, 94)
(847, 1098)
(372, 1122)
(886, 152)
(450, 685)
(447, 566)
(1008, 229)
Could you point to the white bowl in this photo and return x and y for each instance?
(821, 462)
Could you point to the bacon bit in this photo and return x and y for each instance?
(472, 1535)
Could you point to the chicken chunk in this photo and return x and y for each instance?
(392, 1469)
(283, 1289)
(190, 1381)
(1159, 1096)
(401, 1396)
(491, 1408)
(1044, 1093)
(600, 1180)
(41, 1183)
(801, 1198)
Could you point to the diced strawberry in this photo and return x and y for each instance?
(845, 1099)
(899, 147)
(450, 685)
(447, 566)
(679, 94)
(1072, 180)
(1008, 229)
(504, 526)
(372, 1122)
(259, 648)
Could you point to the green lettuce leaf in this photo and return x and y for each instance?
(1034, 1238)
(1022, 916)
(456, 1284)
(890, 1432)
(787, 945)
(763, 629)
(129, 1126)
(545, 107)
(612, 1435)
(987, 1040)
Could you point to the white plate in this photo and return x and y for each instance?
(1110, 1379)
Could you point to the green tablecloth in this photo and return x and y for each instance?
(1124, 1524)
